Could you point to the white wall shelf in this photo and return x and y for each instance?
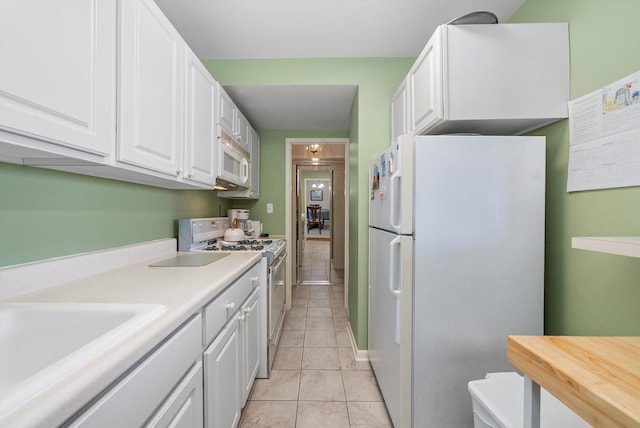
(621, 245)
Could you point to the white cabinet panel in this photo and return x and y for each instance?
(243, 130)
(226, 113)
(426, 84)
(249, 332)
(184, 407)
(65, 96)
(222, 379)
(503, 79)
(151, 88)
(200, 127)
(133, 400)
(400, 111)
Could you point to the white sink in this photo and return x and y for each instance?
(40, 343)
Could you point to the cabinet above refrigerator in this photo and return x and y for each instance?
(499, 79)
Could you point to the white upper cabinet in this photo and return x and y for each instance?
(503, 79)
(151, 89)
(200, 127)
(243, 130)
(232, 120)
(65, 96)
(226, 113)
(400, 111)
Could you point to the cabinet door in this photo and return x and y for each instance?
(250, 327)
(184, 407)
(151, 88)
(222, 379)
(226, 111)
(200, 122)
(58, 71)
(254, 191)
(243, 130)
(400, 111)
(425, 85)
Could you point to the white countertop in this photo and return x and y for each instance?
(182, 290)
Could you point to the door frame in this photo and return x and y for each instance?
(289, 210)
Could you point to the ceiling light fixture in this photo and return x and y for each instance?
(314, 148)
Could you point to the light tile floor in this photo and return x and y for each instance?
(315, 380)
(316, 264)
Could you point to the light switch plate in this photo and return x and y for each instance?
(269, 208)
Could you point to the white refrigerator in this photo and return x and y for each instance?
(456, 263)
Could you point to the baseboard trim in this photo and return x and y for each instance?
(359, 354)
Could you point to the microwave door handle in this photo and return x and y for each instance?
(245, 170)
(394, 249)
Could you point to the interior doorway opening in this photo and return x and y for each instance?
(317, 212)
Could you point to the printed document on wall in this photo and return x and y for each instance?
(604, 131)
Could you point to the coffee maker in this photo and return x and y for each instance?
(242, 216)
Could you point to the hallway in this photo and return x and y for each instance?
(316, 264)
(315, 381)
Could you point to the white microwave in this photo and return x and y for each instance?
(233, 163)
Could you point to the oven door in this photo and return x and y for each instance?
(233, 161)
(276, 304)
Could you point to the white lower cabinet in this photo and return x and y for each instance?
(184, 407)
(179, 385)
(250, 338)
(133, 400)
(222, 378)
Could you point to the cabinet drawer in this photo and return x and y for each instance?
(131, 401)
(222, 308)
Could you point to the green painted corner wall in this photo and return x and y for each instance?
(45, 213)
(369, 133)
(589, 293)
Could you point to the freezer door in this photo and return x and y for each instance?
(391, 186)
(390, 260)
(479, 272)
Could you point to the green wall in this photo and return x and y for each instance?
(45, 213)
(369, 133)
(272, 177)
(589, 293)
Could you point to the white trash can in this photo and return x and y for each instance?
(498, 402)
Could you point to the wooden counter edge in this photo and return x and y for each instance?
(527, 353)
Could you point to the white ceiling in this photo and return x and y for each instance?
(243, 29)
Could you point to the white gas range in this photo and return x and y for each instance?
(205, 234)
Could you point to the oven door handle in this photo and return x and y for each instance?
(277, 262)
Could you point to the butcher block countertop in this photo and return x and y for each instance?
(597, 377)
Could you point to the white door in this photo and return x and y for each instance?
(151, 88)
(200, 162)
(390, 279)
(58, 71)
(222, 379)
(250, 328)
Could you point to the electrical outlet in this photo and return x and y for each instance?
(269, 208)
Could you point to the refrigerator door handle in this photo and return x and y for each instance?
(394, 192)
(394, 250)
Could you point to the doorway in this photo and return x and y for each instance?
(315, 251)
(317, 212)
